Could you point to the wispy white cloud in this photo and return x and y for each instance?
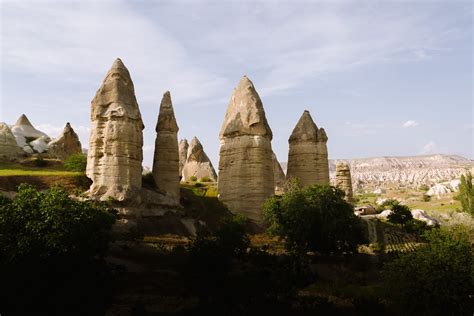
(410, 123)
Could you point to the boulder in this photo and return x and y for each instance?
(114, 160)
(8, 146)
(422, 216)
(29, 138)
(438, 190)
(166, 158)
(344, 180)
(308, 154)
(183, 154)
(66, 144)
(246, 177)
(198, 163)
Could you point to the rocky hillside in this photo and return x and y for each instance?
(411, 171)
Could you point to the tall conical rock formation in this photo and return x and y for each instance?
(166, 158)
(198, 163)
(66, 144)
(308, 154)
(344, 180)
(114, 161)
(8, 147)
(278, 175)
(246, 177)
(29, 138)
(183, 154)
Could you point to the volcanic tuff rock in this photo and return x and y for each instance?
(166, 158)
(308, 154)
(8, 147)
(114, 161)
(183, 154)
(278, 175)
(411, 171)
(25, 134)
(198, 163)
(245, 166)
(343, 180)
(66, 144)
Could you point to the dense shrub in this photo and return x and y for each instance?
(416, 227)
(466, 194)
(387, 205)
(50, 250)
(436, 279)
(193, 178)
(315, 218)
(76, 162)
(401, 214)
(426, 198)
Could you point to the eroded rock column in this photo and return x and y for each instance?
(246, 178)
(344, 180)
(66, 144)
(308, 154)
(183, 154)
(166, 158)
(114, 161)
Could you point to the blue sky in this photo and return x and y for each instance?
(383, 78)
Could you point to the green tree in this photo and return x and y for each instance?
(437, 278)
(49, 224)
(401, 214)
(315, 218)
(466, 194)
(51, 250)
(76, 162)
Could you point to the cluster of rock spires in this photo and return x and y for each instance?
(344, 180)
(22, 139)
(249, 171)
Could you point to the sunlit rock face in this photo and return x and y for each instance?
(166, 158)
(198, 163)
(29, 138)
(246, 177)
(344, 180)
(308, 154)
(114, 161)
(8, 147)
(66, 144)
(279, 175)
(183, 154)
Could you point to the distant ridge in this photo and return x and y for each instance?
(405, 171)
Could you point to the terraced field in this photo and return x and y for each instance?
(399, 242)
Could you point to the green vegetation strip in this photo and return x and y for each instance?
(17, 172)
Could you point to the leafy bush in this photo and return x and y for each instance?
(437, 278)
(466, 194)
(76, 162)
(401, 214)
(387, 205)
(193, 178)
(205, 179)
(42, 225)
(426, 198)
(50, 253)
(315, 218)
(416, 227)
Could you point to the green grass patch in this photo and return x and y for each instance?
(19, 172)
